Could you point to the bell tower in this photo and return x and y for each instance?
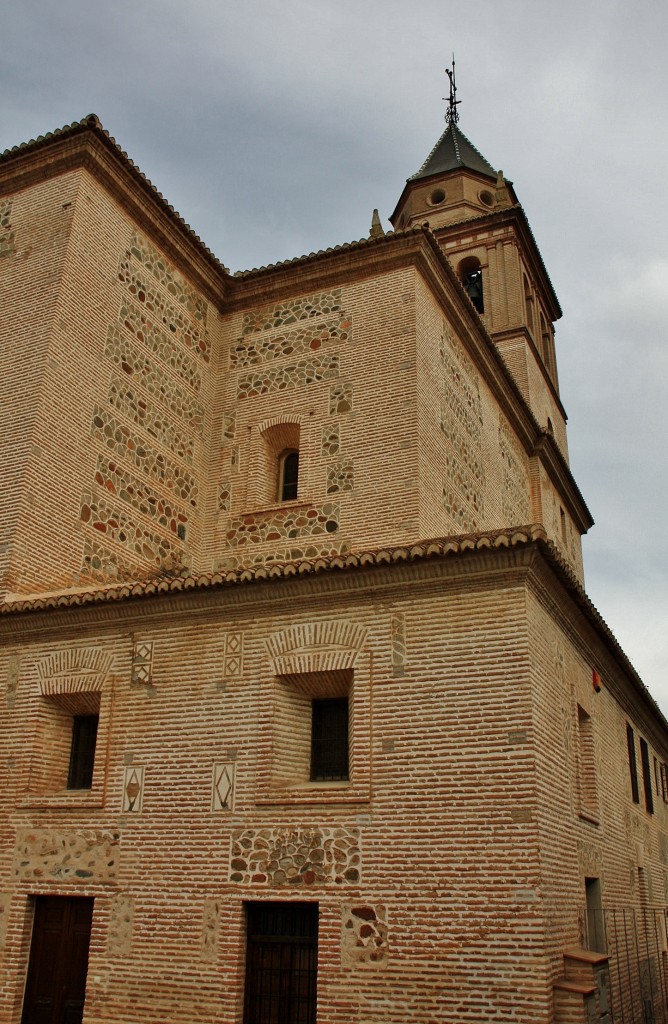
(474, 213)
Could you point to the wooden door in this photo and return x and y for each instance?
(56, 984)
(281, 963)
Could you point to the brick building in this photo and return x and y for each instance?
(302, 701)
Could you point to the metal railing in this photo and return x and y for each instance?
(636, 942)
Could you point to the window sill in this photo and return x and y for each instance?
(79, 798)
(301, 502)
(589, 816)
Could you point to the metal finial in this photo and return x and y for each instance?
(451, 114)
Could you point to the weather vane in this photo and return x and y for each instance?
(451, 114)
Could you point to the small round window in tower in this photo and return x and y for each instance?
(436, 197)
(486, 198)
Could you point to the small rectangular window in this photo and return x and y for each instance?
(329, 740)
(631, 745)
(664, 781)
(82, 752)
(646, 776)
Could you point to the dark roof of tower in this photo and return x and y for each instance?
(453, 151)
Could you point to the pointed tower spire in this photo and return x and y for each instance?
(474, 214)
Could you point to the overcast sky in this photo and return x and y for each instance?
(275, 128)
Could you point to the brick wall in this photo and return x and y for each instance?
(462, 834)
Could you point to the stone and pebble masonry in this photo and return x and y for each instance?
(146, 399)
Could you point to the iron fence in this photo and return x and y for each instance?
(636, 943)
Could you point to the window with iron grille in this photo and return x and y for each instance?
(281, 963)
(329, 740)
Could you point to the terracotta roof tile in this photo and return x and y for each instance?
(93, 124)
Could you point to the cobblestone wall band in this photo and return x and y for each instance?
(516, 503)
(293, 375)
(7, 236)
(295, 856)
(340, 398)
(100, 562)
(167, 276)
(118, 526)
(128, 401)
(255, 558)
(229, 427)
(140, 495)
(291, 312)
(253, 351)
(331, 440)
(224, 496)
(458, 510)
(143, 371)
(179, 324)
(157, 341)
(118, 437)
(364, 935)
(79, 856)
(283, 523)
(340, 477)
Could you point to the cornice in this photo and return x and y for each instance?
(552, 458)
(127, 592)
(486, 557)
(86, 145)
(325, 268)
(591, 636)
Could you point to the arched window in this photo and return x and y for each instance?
(274, 466)
(470, 274)
(288, 475)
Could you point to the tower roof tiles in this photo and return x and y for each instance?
(452, 152)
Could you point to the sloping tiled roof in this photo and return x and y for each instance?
(423, 550)
(453, 151)
(446, 547)
(92, 123)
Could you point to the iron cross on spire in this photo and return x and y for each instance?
(451, 114)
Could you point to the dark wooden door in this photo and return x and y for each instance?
(56, 984)
(281, 963)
